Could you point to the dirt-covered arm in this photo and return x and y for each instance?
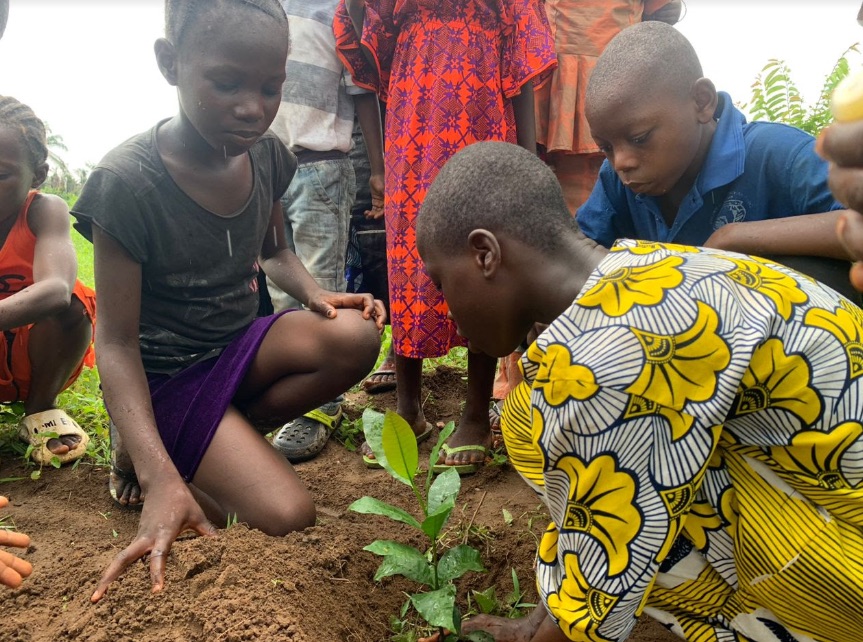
(170, 508)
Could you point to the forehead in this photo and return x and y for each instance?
(623, 110)
(13, 148)
(236, 26)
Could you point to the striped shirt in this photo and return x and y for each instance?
(317, 110)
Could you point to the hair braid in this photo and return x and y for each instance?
(19, 117)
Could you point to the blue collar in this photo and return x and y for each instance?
(727, 154)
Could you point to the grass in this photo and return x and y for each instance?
(83, 400)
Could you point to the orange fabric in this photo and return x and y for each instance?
(508, 375)
(576, 174)
(581, 30)
(16, 273)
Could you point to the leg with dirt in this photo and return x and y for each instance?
(384, 378)
(468, 446)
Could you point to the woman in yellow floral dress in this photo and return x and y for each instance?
(692, 418)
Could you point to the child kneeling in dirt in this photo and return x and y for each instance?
(181, 217)
(691, 417)
(46, 314)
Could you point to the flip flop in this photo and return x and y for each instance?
(304, 437)
(461, 469)
(377, 387)
(55, 422)
(372, 462)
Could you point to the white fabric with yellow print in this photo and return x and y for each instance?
(694, 424)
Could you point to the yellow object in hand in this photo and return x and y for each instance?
(847, 103)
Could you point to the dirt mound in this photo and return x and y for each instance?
(314, 586)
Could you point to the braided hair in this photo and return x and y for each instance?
(181, 14)
(20, 118)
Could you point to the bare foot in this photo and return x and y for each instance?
(63, 444)
(384, 378)
(502, 629)
(122, 481)
(468, 433)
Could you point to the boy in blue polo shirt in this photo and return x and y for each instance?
(683, 165)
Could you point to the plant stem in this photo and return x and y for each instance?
(472, 517)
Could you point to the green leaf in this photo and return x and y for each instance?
(507, 517)
(486, 600)
(373, 427)
(371, 506)
(55, 461)
(438, 607)
(457, 561)
(399, 443)
(401, 559)
(36, 474)
(433, 524)
(480, 636)
(444, 490)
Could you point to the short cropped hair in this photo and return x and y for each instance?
(499, 187)
(180, 15)
(649, 55)
(20, 118)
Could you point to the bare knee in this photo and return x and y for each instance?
(360, 343)
(287, 516)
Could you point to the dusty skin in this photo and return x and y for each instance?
(314, 586)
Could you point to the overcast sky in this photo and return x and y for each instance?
(87, 66)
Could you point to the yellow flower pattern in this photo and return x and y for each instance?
(775, 379)
(649, 247)
(683, 367)
(846, 324)
(624, 288)
(560, 379)
(781, 289)
(578, 607)
(724, 356)
(641, 407)
(813, 457)
(601, 504)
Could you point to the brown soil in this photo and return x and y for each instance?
(314, 586)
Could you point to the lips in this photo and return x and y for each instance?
(246, 135)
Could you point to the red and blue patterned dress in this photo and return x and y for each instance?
(447, 70)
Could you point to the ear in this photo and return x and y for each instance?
(485, 251)
(706, 99)
(39, 175)
(166, 58)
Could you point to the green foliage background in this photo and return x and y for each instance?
(776, 97)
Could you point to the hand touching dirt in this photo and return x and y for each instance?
(13, 569)
(169, 510)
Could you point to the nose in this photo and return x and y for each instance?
(625, 160)
(250, 108)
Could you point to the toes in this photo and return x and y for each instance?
(70, 440)
(57, 447)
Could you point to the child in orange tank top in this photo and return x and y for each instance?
(46, 314)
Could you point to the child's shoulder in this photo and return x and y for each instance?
(140, 148)
(47, 211)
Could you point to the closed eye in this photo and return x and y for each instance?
(641, 139)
